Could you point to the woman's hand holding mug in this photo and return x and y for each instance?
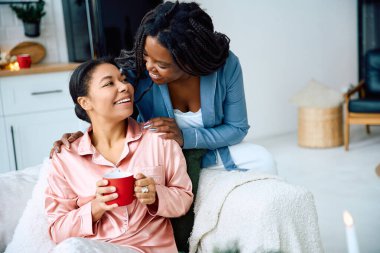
(145, 189)
(99, 205)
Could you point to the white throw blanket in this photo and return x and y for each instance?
(258, 212)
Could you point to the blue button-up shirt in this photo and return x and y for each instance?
(223, 105)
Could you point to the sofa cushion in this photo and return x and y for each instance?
(19, 185)
(31, 234)
(373, 73)
(364, 105)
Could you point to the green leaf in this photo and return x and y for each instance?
(29, 12)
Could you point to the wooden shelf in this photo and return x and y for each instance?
(40, 68)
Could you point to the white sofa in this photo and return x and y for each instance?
(260, 213)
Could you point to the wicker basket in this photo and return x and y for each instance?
(320, 127)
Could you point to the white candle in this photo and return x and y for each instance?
(352, 241)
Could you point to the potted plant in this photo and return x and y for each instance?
(30, 14)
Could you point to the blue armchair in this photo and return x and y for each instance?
(364, 110)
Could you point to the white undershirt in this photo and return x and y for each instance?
(193, 120)
(188, 119)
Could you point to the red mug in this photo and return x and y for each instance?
(24, 61)
(125, 187)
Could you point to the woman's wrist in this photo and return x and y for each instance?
(96, 211)
(153, 208)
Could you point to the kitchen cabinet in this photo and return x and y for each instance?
(4, 159)
(32, 135)
(36, 110)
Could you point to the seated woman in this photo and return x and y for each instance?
(76, 195)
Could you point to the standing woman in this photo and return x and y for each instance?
(189, 86)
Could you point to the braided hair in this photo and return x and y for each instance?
(79, 81)
(187, 32)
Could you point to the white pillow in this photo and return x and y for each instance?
(16, 189)
(31, 234)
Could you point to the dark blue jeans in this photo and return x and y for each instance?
(183, 225)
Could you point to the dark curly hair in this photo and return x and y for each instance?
(79, 81)
(187, 32)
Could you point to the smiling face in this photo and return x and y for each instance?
(160, 64)
(110, 95)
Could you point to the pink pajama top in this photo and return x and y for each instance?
(72, 184)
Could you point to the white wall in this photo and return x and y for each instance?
(282, 44)
(52, 31)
